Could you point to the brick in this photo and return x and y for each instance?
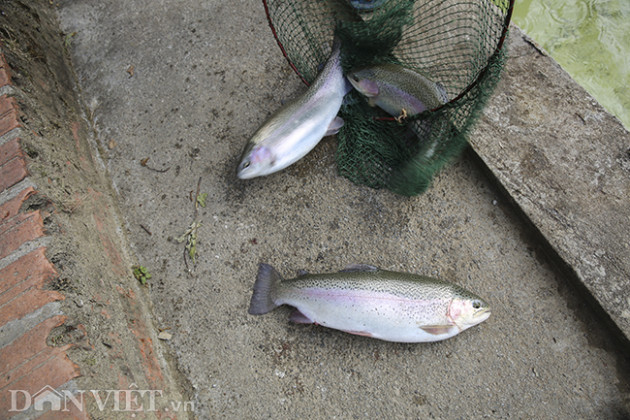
(5, 74)
(33, 270)
(9, 115)
(25, 365)
(29, 364)
(55, 372)
(58, 370)
(26, 303)
(18, 230)
(9, 121)
(12, 172)
(10, 150)
(7, 104)
(28, 345)
(22, 286)
(11, 207)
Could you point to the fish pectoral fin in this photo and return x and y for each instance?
(437, 329)
(299, 318)
(334, 126)
(358, 267)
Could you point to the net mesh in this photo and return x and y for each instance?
(457, 43)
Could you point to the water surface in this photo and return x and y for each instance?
(590, 39)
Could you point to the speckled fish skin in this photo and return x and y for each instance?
(386, 305)
(296, 128)
(393, 88)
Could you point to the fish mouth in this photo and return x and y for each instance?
(482, 315)
(476, 319)
(355, 84)
(242, 173)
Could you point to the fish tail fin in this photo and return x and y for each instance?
(265, 287)
(336, 44)
(335, 53)
(441, 91)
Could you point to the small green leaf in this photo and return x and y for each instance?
(68, 39)
(141, 273)
(201, 199)
(190, 236)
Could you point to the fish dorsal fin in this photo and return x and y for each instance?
(302, 273)
(359, 267)
(437, 329)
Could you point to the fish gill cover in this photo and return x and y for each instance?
(456, 43)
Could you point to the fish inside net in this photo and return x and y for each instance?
(458, 43)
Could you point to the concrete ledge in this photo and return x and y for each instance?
(565, 162)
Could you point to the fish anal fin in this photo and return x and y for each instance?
(437, 329)
(361, 333)
(299, 318)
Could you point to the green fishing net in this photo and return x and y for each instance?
(458, 43)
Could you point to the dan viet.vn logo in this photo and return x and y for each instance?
(126, 400)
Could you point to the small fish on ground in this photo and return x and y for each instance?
(367, 301)
(296, 128)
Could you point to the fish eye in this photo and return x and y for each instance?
(355, 77)
(476, 304)
(246, 164)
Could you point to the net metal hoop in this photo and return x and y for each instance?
(504, 32)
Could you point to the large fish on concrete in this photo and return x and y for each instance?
(296, 128)
(371, 302)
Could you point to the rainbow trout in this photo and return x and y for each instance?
(367, 301)
(397, 90)
(401, 93)
(296, 128)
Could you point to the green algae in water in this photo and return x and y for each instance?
(590, 39)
